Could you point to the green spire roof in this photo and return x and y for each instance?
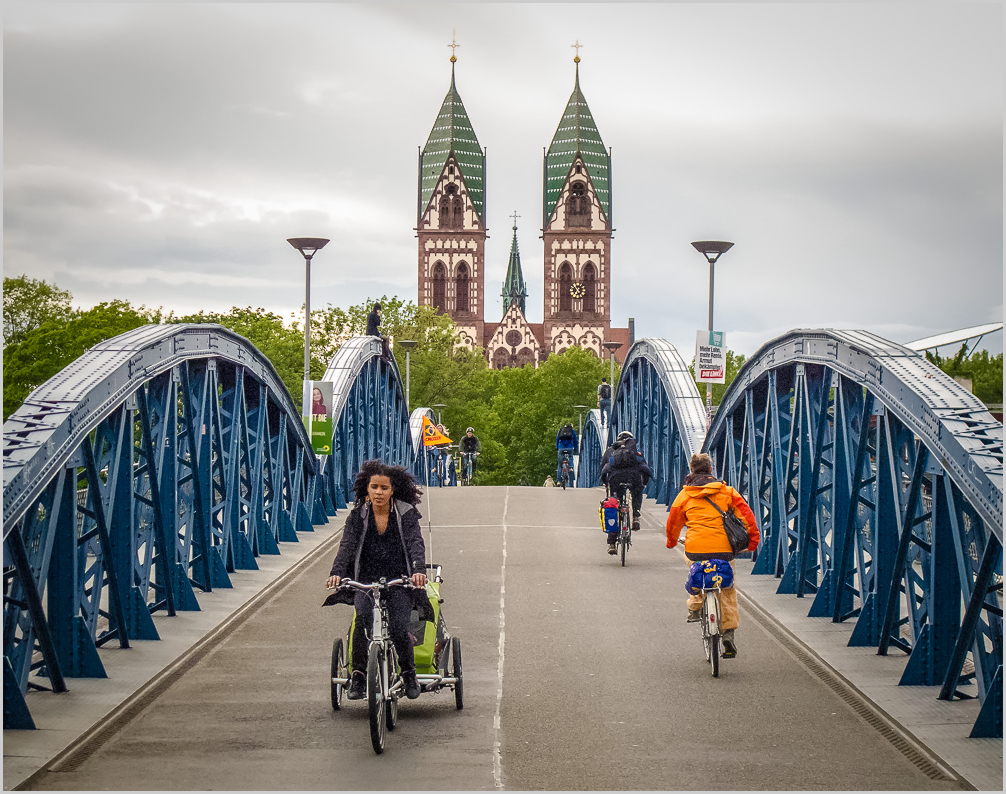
(453, 133)
(514, 289)
(577, 133)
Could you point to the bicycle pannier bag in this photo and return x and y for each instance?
(709, 573)
(605, 391)
(609, 514)
(737, 533)
(566, 433)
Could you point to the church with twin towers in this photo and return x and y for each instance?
(576, 230)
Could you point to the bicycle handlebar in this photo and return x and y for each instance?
(350, 584)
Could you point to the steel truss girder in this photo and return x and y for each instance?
(593, 442)
(877, 482)
(369, 417)
(657, 401)
(147, 469)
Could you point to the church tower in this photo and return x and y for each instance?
(514, 288)
(451, 219)
(576, 229)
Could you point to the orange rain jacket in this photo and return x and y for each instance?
(705, 526)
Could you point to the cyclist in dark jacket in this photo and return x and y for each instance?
(471, 446)
(623, 464)
(383, 538)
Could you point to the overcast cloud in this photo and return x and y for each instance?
(163, 153)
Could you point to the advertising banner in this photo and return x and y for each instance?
(710, 357)
(319, 423)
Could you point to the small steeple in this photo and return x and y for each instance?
(514, 288)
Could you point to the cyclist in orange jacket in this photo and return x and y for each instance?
(706, 539)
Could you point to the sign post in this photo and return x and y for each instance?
(710, 364)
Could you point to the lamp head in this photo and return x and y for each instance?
(308, 246)
(712, 249)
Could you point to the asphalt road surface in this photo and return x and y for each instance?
(578, 673)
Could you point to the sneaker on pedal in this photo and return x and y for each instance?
(612, 549)
(357, 686)
(412, 689)
(635, 525)
(694, 615)
(729, 646)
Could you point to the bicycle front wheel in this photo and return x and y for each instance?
(375, 698)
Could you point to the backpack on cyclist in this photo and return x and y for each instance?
(709, 573)
(566, 432)
(605, 391)
(623, 457)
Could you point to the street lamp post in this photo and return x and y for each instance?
(308, 247)
(440, 417)
(711, 250)
(581, 409)
(409, 345)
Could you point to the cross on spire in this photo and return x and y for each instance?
(515, 216)
(576, 47)
(453, 45)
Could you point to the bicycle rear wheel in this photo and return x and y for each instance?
(624, 543)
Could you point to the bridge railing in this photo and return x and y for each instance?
(593, 442)
(877, 482)
(154, 466)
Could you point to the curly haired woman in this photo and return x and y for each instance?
(383, 538)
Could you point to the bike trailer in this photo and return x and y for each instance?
(608, 513)
(707, 574)
(427, 638)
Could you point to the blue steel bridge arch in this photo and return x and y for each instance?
(154, 466)
(877, 482)
(593, 442)
(656, 400)
(369, 415)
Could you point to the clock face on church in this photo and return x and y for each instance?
(577, 290)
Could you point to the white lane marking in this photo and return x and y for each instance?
(514, 526)
(497, 753)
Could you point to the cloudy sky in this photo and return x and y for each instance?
(163, 153)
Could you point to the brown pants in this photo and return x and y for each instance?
(730, 618)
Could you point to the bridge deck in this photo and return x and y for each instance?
(603, 684)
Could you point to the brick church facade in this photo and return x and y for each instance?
(576, 230)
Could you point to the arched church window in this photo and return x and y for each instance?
(451, 209)
(440, 287)
(579, 207)
(565, 282)
(462, 301)
(525, 357)
(590, 288)
(501, 358)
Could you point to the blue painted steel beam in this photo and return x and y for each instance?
(877, 483)
(149, 467)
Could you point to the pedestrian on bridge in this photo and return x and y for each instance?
(604, 400)
(706, 539)
(383, 538)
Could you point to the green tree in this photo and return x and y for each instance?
(984, 370)
(46, 350)
(30, 303)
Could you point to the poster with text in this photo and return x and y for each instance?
(319, 423)
(710, 357)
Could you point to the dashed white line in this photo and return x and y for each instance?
(497, 752)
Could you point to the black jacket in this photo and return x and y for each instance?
(640, 462)
(347, 559)
(373, 322)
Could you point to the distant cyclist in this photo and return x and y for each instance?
(622, 464)
(471, 448)
(566, 444)
(706, 539)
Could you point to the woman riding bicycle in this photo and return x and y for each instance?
(383, 538)
(706, 538)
